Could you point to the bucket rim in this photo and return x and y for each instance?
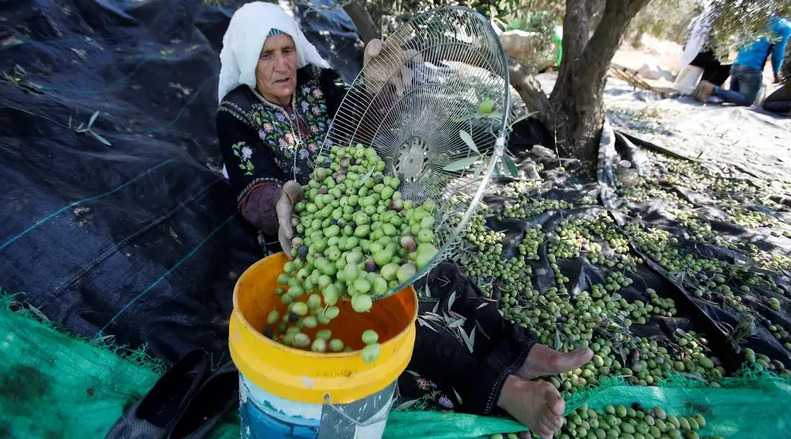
(257, 335)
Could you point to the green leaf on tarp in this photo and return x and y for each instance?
(460, 164)
(93, 119)
(101, 139)
(478, 169)
(512, 169)
(467, 138)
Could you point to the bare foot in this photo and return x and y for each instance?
(536, 405)
(543, 361)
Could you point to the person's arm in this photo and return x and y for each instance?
(254, 175)
(783, 29)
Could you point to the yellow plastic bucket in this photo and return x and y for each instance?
(290, 393)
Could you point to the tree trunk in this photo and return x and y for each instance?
(362, 21)
(578, 95)
(531, 93)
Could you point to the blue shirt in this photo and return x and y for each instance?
(754, 55)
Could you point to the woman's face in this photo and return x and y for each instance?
(276, 72)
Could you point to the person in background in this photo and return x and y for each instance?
(277, 98)
(780, 100)
(698, 53)
(747, 70)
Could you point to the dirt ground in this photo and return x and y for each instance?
(756, 141)
(659, 62)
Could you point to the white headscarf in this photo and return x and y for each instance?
(245, 37)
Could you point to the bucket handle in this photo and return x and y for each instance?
(373, 420)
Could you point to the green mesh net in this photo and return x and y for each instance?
(59, 386)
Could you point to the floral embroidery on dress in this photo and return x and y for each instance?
(244, 152)
(444, 401)
(280, 133)
(425, 394)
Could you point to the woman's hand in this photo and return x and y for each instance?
(388, 66)
(292, 194)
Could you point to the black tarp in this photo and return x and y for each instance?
(569, 181)
(137, 239)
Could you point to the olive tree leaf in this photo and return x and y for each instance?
(467, 138)
(456, 323)
(512, 169)
(557, 339)
(406, 405)
(101, 139)
(425, 323)
(478, 169)
(93, 119)
(451, 300)
(521, 118)
(457, 396)
(460, 164)
(466, 338)
(366, 177)
(38, 313)
(493, 115)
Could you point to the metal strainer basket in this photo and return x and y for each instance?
(441, 129)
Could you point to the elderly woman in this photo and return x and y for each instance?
(277, 100)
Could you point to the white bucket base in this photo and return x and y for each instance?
(266, 416)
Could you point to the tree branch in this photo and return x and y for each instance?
(362, 21)
(531, 93)
(597, 56)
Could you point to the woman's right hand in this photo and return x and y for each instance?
(292, 194)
